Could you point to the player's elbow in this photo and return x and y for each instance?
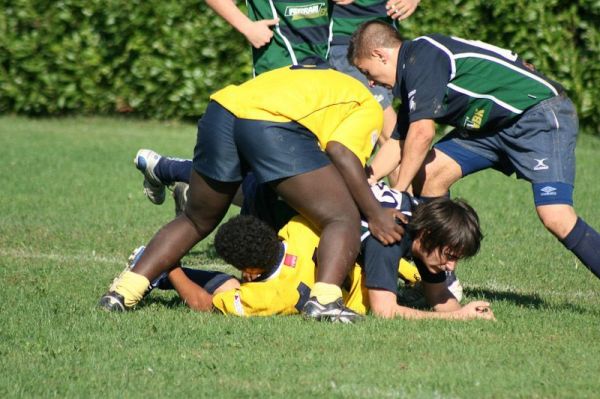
(199, 304)
(382, 310)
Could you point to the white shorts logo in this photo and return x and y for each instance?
(540, 164)
(548, 191)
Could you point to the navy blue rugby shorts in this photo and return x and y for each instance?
(539, 147)
(227, 148)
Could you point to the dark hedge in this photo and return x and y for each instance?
(162, 59)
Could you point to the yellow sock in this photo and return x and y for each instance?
(132, 286)
(326, 293)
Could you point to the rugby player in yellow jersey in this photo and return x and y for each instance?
(305, 130)
(283, 269)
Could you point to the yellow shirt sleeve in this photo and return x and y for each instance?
(360, 129)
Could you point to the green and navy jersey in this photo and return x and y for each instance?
(302, 32)
(466, 84)
(345, 19)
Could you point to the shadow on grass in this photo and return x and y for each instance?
(532, 301)
(170, 303)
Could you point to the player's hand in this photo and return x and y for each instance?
(343, 2)
(260, 33)
(477, 310)
(370, 176)
(401, 9)
(384, 226)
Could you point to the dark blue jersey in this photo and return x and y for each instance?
(466, 84)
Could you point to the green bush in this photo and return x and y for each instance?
(152, 59)
(162, 59)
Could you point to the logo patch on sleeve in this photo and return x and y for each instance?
(237, 304)
(290, 260)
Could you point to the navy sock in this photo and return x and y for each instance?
(171, 170)
(584, 242)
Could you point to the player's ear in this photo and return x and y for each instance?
(380, 54)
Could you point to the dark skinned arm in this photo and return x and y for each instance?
(382, 221)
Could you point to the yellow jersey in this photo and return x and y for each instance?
(331, 104)
(287, 288)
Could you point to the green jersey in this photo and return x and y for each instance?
(302, 32)
(346, 19)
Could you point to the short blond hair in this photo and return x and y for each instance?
(369, 36)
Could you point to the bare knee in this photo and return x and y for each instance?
(559, 219)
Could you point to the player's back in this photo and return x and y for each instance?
(320, 99)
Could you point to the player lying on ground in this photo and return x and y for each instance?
(307, 132)
(280, 271)
(507, 116)
(260, 201)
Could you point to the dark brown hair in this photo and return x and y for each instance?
(445, 223)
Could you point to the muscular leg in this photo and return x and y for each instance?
(323, 198)
(437, 174)
(208, 201)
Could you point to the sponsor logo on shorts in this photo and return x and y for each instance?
(378, 97)
(540, 164)
(308, 11)
(548, 191)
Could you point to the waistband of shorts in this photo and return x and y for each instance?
(549, 102)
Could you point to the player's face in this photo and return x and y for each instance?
(438, 260)
(251, 274)
(377, 70)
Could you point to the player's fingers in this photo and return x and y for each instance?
(401, 217)
(270, 22)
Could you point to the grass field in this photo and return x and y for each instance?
(72, 209)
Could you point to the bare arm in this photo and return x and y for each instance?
(416, 146)
(196, 297)
(381, 221)
(383, 304)
(386, 160)
(258, 33)
(439, 297)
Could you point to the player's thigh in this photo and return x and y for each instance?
(208, 200)
(456, 155)
(541, 147)
(438, 173)
(320, 195)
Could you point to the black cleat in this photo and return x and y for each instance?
(335, 312)
(112, 302)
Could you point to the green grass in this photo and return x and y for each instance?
(72, 208)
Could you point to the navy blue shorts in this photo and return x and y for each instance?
(539, 147)
(262, 201)
(339, 60)
(227, 148)
(207, 279)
